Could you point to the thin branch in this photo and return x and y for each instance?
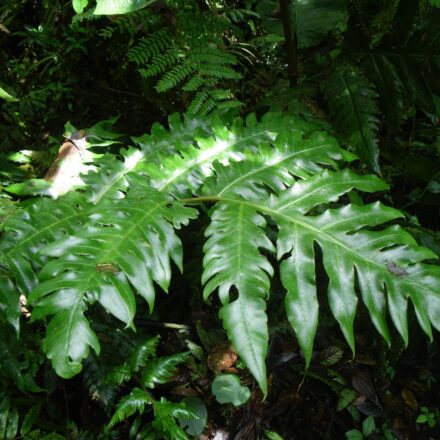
(291, 44)
(123, 92)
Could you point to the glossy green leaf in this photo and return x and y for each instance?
(346, 397)
(368, 426)
(278, 180)
(112, 7)
(9, 302)
(194, 426)
(165, 419)
(104, 261)
(7, 96)
(28, 231)
(30, 187)
(227, 389)
(162, 369)
(129, 405)
(79, 5)
(354, 434)
(233, 261)
(69, 335)
(30, 419)
(109, 178)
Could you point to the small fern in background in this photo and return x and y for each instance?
(194, 61)
(155, 370)
(352, 101)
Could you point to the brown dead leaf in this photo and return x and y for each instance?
(222, 358)
(409, 399)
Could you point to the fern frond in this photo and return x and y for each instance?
(160, 63)
(150, 46)
(211, 56)
(221, 94)
(197, 102)
(194, 56)
(94, 379)
(129, 405)
(162, 143)
(193, 84)
(29, 231)
(133, 22)
(16, 365)
(239, 233)
(138, 358)
(184, 173)
(280, 167)
(345, 246)
(230, 103)
(205, 100)
(107, 32)
(93, 265)
(165, 414)
(218, 71)
(108, 179)
(385, 77)
(274, 168)
(162, 369)
(207, 106)
(407, 70)
(351, 99)
(173, 77)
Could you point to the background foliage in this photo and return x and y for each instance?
(221, 158)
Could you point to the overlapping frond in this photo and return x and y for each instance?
(280, 168)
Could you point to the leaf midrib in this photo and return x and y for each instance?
(266, 167)
(239, 272)
(207, 158)
(16, 248)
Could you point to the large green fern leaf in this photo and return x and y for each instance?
(117, 250)
(281, 168)
(237, 232)
(28, 231)
(385, 262)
